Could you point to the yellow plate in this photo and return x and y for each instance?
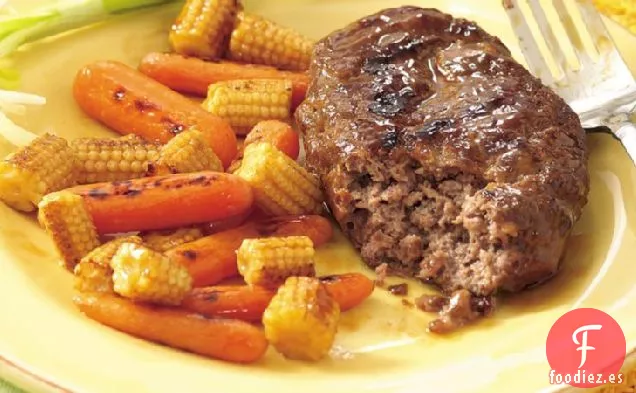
(382, 346)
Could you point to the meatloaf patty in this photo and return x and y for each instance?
(441, 155)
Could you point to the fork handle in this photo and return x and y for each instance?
(626, 132)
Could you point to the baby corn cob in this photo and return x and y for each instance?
(131, 138)
(112, 159)
(162, 241)
(203, 28)
(146, 275)
(104, 254)
(46, 165)
(301, 320)
(281, 186)
(65, 218)
(234, 166)
(186, 153)
(244, 103)
(268, 262)
(93, 273)
(91, 277)
(260, 41)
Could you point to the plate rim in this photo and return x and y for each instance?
(32, 382)
(20, 374)
(25, 379)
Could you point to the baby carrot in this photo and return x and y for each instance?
(242, 302)
(318, 228)
(349, 290)
(226, 224)
(212, 259)
(231, 340)
(278, 133)
(163, 202)
(193, 76)
(127, 101)
(248, 303)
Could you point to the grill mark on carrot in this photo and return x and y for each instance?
(212, 296)
(200, 179)
(122, 187)
(172, 126)
(330, 279)
(122, 183)
(177, 128)
(97, 193)
(119, 94)
(145, 106)
(152, 169)
(191, 255)
(131, 192)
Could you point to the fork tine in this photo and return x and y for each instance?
(573, 34)
(595, 26)
(529, 46)
(548, 35)
(602, 40)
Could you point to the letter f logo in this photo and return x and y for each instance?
(583, 344)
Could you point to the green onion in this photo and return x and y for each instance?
(17, 30)
(15, 103)
(9, 77)
(13, 135)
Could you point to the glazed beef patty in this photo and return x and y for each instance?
(441, 156)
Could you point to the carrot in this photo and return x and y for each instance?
(231, 340)
(318, 228)
(163, 202)
(279, 134)
(212, 259)
(229, 301)
(248, 303)
(127, 101)
(349, 290)
(193, 76)
(226, 224)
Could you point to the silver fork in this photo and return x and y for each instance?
(602, 92)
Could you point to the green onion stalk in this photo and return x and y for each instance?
(21, 29)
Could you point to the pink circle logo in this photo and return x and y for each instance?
(586, 348)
